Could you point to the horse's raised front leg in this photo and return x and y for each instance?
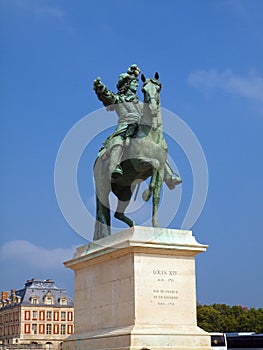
(123, 202)
(156, 198)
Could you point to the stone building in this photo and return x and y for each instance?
(38, 316)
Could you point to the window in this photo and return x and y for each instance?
(49, 301)
(70, 328)
(70, 316)
(56, 329)
(27, 315)
(63, 301)
(41, 329)
(218, 340)
(49, 346)
(27, 328)
(48, 298)
(48, 328)
(56, 315)
(63, 315)
(34, 315)
(34, 328)
(34, 299)
(49, 315)
(63, 329)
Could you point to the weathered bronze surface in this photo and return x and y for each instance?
(135, 151)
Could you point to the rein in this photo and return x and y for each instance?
(156, 99)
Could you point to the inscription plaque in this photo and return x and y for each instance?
(166, 292)
(167, 288)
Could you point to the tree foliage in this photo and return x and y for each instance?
(224, 318)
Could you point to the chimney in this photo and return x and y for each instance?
(4, 295)
(13, 294)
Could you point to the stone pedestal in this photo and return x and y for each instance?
(136, 289)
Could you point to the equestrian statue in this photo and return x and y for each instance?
(134, 152)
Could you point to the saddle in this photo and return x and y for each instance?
(117, 138)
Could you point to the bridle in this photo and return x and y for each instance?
(154, 98)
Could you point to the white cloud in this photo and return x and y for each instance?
(250, 86)
(32, 256)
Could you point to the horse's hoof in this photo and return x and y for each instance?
(132, 223)
(146, 195)
(173, 181)
(122, 217)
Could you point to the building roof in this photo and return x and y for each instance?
(41, 291)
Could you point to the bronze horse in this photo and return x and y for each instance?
(145, 157)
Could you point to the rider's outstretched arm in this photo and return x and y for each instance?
(103, 93)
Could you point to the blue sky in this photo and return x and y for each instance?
(209, 56)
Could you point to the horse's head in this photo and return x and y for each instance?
(151, 90)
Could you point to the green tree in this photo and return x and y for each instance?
(225, 318)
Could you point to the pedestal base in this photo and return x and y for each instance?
(136, 290)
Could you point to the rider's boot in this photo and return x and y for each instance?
(115, 160)
(170, 178)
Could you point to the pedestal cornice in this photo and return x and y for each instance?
(138, 239)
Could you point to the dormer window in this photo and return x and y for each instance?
(34, 300)
(63, 301)
(48, 301)
(48, 298)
